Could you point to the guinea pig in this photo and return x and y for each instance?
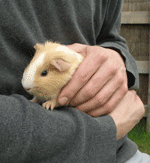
(50, 69)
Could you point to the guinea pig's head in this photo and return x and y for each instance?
(46, 74)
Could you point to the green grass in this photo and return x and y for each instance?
(140, 137)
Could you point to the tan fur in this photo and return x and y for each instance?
(47, 88)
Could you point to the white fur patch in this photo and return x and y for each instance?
(28, 76)
(68, 51)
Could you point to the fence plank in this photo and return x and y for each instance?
(146, 110)
(136, 5)
(143, 67)
(136, 17)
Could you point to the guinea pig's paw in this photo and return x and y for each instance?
(49, 104)
(35, 100)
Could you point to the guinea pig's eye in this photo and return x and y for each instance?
(44, 73)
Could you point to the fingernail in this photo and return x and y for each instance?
(63, 100)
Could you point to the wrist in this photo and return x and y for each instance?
(119, 126)
(127, 114)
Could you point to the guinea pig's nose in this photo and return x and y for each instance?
(28, 89)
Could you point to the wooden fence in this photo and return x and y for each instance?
(136, 5)
(136, 30)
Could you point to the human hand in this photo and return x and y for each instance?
(128, 113)
(99, 83)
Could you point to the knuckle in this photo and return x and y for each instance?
(99, 54)
(83, 77)
(103, 55)
(100, 100)
(109, 108)
(88, 93)
(120, 79)
(112, 68)
(124, 89)
(94, 113)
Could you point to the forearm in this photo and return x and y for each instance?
(28, 132)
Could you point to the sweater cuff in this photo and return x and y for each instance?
(108, 136)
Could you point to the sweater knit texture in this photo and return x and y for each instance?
(30, 134)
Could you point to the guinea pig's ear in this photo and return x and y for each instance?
(60, 64)
(38, 46)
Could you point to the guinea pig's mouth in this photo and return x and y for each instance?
(29, 91)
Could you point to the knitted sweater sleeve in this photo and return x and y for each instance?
(29, 133)
(109, 38)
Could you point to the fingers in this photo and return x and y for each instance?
(82, 75)
(107, 71)
(94, 95)
(110, 105)
(103, 81)
(99, 83)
